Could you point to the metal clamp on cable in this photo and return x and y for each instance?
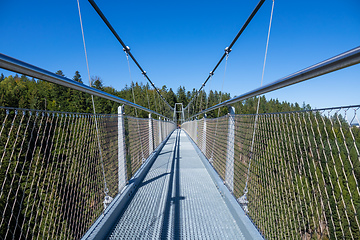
(227, 50)
(211, 73)
(126, 49)
(144, 73)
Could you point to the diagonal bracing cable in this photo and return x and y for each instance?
(126, 48)
(228, 49)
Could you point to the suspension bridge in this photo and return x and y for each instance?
(178, 174)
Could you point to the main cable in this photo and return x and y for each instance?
(126, 48)
(228, 49)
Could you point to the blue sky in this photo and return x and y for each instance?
(179, 43)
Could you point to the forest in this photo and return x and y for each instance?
(29, 93)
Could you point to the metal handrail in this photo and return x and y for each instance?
(338, 62)
(21, 67)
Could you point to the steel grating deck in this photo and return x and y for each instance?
(177, 200)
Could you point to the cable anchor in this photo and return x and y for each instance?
(107, 201)
(126, 49)
(227, 50)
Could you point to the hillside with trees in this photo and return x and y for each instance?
(29, 93)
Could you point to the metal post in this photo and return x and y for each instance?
(229, 172)
(195, 130)
(121, 150)
(163, 128)
(151, 142)
(160, 128)
(204, 137)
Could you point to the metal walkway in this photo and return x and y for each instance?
(177, 199)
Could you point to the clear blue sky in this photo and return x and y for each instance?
(179, 42)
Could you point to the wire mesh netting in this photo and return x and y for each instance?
(304, 170)
(53, 181)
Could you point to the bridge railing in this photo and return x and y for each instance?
(301, 178)
(53, 180)
(57, 167)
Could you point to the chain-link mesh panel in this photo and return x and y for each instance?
(216, 143)
(108, 131)
(52, 179)
(200, 133)
(50, 173)
(137, 143)
(156, 132)
(304, 170)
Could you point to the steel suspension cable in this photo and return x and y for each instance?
(106, 190)
(156, 109)
(228, 49)
(147, 95)
(126, 48)
(207, 100)
(133, 95)
(258, 103)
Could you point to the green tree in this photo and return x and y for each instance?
(77, 77)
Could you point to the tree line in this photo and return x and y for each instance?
(24, 92)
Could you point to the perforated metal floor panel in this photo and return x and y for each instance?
(177, 200)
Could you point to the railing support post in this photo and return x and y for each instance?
(160, 137)
(195, 130)
(229, 172)
(151, 142)
(204, 137)
(121, 150)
